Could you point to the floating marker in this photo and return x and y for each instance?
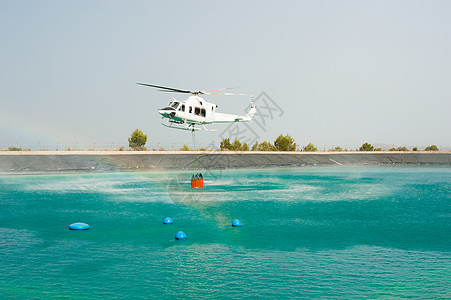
(167, 220)
(180, 235)
(79, 226)
(236, 223)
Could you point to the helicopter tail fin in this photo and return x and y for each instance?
(250, 115)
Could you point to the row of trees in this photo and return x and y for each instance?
(138, 140)
(369, 147)
(286, 143)
(282, 143)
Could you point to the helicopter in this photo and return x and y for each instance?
(195, 111)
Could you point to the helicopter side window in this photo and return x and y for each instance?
(190, 109)
(202, 112)
(182, 108)
(197, 111)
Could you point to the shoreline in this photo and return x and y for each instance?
(225, 152)
(60, 162)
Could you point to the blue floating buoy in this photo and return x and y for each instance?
(236, 223)
(79, 226)
(180, 235)
(167, 220)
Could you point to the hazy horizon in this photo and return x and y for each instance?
(332, 73)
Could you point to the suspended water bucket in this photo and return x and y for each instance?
(197, 183)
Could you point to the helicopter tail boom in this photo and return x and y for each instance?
(228, 118)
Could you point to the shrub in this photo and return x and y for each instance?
(401, 148)
(14, 149)
(338, 148)
(255, 146)
(265, 146)
(236, 145)
(226, 145)
(185, 148)
(309, 148)
(431, 148)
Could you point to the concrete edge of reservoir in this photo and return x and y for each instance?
(48, 162)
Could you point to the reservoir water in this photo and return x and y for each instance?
(360, 232)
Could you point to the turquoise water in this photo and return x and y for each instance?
(380, 232)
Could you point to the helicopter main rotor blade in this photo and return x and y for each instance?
(165, 89)
(223, 89)
(226, 94)
(172, 90)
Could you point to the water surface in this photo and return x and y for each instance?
(376, 232)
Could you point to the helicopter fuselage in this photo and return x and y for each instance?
(197, 111)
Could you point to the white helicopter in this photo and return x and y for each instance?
(196, 111)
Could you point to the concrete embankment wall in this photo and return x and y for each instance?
(103, 161)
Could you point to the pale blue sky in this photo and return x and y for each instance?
(343, 72)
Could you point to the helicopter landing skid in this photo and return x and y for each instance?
(187, 127)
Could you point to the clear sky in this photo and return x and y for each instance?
(334, 72)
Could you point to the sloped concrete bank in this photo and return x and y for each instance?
(110, 161)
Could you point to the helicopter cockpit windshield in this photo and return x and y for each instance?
(175, 104)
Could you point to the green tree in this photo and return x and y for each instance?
(284, 143)
(236, 145)
(265, 146)
(366, 147)
(255, 146)
(309, 148)
(226, 145)
(244, 147)
(137, 140)
(431, 148)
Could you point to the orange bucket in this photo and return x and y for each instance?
(197, 183)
